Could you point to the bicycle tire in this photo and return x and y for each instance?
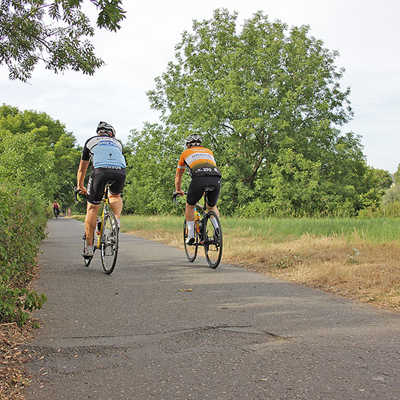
(190, 249)
(213, 243)
(109, 243)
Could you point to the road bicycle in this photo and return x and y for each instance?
(106, 238)
(207, 233)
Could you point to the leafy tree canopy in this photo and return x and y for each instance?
(254, 91)
(54, 32)
(152, 158)
(268, 99)
(37, 151)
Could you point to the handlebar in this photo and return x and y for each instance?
(78, 194)
(175, 195)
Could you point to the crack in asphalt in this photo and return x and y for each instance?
(174, 331)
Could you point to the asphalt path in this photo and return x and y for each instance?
(162, 328)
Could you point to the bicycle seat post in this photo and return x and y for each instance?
(206, 189)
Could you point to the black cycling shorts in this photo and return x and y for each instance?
(98, 180)
(198, 186)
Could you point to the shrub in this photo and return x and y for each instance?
(22, 212)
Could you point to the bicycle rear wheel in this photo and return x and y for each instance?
(190, 249)
(109, 243)
(212, 239)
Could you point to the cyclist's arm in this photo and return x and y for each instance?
(178, 180)
(83, 166)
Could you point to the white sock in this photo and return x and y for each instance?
(118, 222)
(214, 222)
(190, 225)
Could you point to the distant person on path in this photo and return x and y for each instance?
(204, 172)
(105, 153)
(56, 209)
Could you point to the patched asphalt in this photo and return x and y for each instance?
(162, 328)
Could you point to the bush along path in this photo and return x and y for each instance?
(22, 229)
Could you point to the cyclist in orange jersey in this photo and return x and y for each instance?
(204, 172)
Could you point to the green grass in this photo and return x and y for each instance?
(151, 223)
(375, 230)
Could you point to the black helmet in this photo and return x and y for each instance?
(105, 129)
(193, 140)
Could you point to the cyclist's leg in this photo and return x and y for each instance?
(90, 222)
(194, 194)
(189, 212)
(212, 197)
(213, 208)
(116, 205)
(189, 216)
(116, 188)
(95, 190)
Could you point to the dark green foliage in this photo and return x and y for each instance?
(54, 32)
(152, 159)
(37, 151)
(38, 161)
(387, 189)
(21, 232)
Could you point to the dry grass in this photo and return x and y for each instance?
(363, 271)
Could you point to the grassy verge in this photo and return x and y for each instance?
(356, 258)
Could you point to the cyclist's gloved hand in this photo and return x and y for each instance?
(82, 189)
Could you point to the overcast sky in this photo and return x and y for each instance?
(366, 33)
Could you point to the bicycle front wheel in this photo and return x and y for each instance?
(190, 249)
(212, 233)
(109, 243)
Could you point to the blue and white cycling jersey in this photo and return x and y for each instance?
(105, 152)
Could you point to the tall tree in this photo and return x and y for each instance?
(54, 32)
(255, 91)
(36, 150)
(269, 100)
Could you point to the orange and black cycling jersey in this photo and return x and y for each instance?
(200, 162)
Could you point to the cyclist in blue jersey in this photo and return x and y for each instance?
(105, 153)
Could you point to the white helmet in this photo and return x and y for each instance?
(105, 129)
(194, 139)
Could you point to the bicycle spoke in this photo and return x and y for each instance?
(190, 250)
(212, 240)
(109, 243)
